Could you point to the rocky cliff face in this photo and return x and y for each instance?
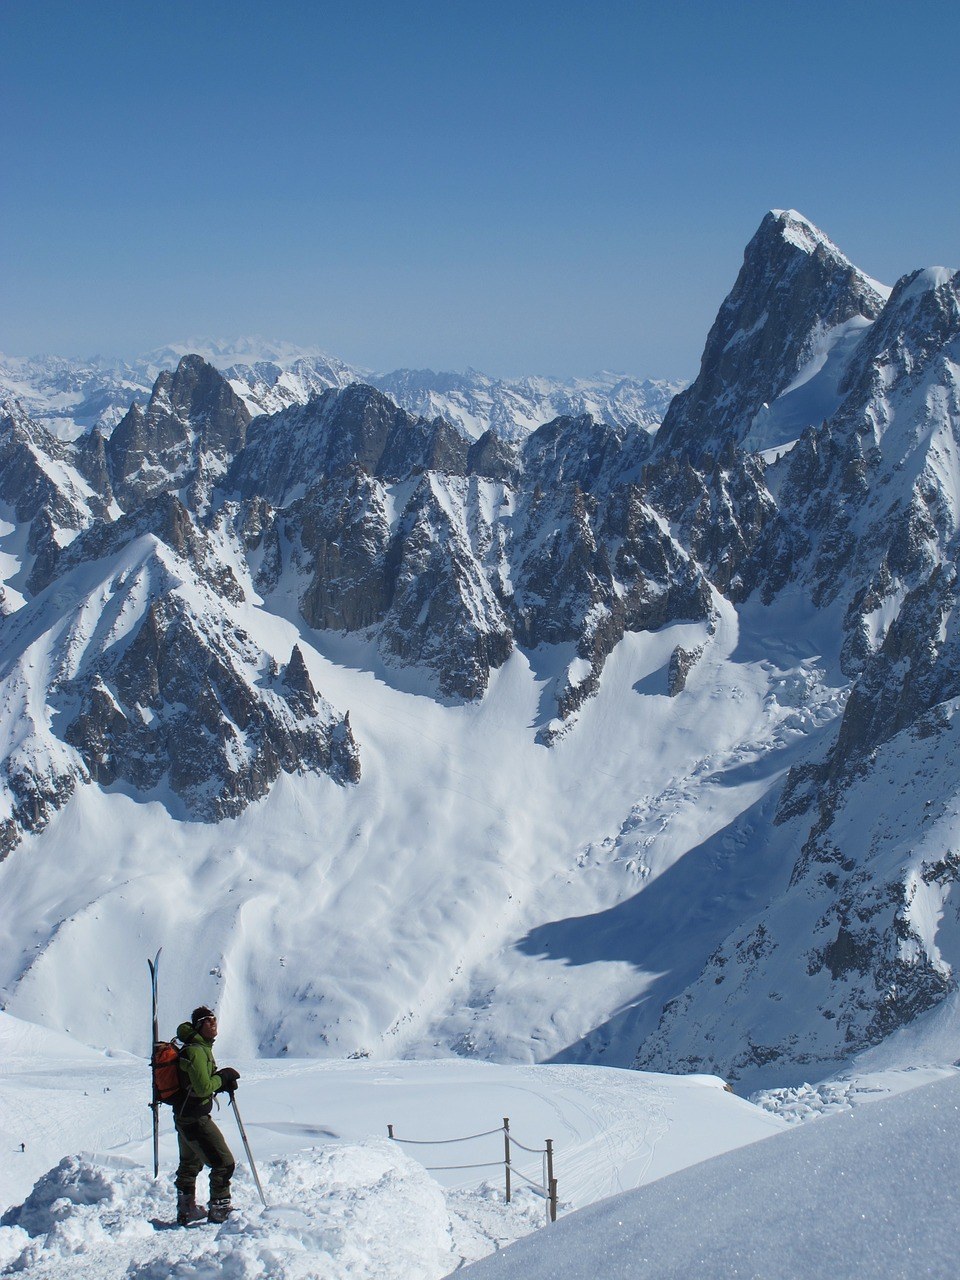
(193, 422)
(195, 704)
(866, 510)
(795, 287)
(872, 491)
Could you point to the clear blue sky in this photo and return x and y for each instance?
(521, 187)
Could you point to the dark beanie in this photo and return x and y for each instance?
(200, 1013)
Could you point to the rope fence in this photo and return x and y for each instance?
(547, 1189)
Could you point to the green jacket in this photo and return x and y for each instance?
(198, 1072)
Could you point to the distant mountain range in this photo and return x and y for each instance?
(73, 395)
(490, 718)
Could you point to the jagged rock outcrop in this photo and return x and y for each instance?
(166, 518)
(42, 476)
(149, 677)
(871, 492)
(336, 432)
(444, 613)
(347, 546)
(193, 419)
(724, 515)
(682, 662)
(861, 937)
(443, 553)
(178, 706)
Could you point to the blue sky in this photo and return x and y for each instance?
(523, 187)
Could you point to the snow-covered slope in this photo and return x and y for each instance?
(656, 1174)
(870, 1192)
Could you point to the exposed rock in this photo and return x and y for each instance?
(193, 414)
(39, 475)
(444, 613)
(793, 287)
(349, 551)
(177, 705)
(682, 662)
(166, 518)
(340, 431)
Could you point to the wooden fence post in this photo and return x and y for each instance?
(506, 1154)
(390, 1131)
(551, 1181)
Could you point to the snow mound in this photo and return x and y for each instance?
(345, 1210)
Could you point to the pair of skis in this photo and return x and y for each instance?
(155, 1101)
(154, 966)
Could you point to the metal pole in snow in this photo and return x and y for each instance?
(506, 1155)
(246, 1147)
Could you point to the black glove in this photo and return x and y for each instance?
(228, 1079)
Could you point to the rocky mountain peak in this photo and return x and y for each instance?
(194, 419)
(794, 287)
(797, 230)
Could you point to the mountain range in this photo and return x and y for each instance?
(424, 715)
(70, 396)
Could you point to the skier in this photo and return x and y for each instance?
(201, 1142)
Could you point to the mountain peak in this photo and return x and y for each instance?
(795, 287)
(799, 231)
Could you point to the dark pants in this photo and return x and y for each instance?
(202, 1143)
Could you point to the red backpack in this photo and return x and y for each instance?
(167, 1086)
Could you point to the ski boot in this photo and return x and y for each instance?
(219, 1210)
(188, 1211)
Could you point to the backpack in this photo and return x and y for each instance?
(165, 1065)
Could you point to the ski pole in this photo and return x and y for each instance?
(246, 1147)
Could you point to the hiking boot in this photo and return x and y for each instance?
(219, 1210)
(188, 1211)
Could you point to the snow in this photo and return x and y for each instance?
(812, 396)
(926, 280)
(799, 231)
(382, 921)
(343, 1200)
(71, 395)
(659, 1176)
(870, 1192)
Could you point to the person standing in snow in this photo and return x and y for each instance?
(201, 1142)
